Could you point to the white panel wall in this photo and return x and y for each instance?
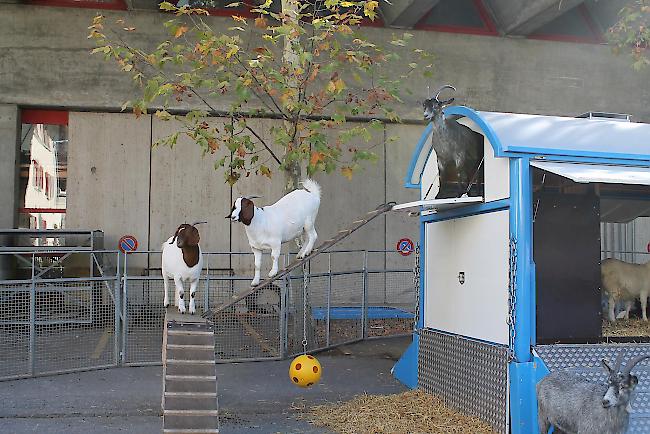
(478, 246)
(497, 174)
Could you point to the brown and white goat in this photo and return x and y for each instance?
(182, 260)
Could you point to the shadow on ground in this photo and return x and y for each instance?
(255, 397)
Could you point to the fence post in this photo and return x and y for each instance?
(206, 296)
(32, 321)
(364, 299)
(284, 311)
(125, 300)
(329, 298)
(118, 309)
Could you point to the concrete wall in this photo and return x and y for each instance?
(491, 73)
(45, 62)
(119, 184)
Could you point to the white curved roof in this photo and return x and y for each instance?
(557, 135)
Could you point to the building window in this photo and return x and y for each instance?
(88, 4)
(43, 169)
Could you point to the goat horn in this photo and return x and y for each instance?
(619, 360)
(631, 363)
(447, 101)
(198, 223)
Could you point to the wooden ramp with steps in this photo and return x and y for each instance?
(342, 234)
(189, 400)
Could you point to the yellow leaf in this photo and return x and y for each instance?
(181, 31)
(331, 87)
(238, 18)
(233, 50)
(347, 172)
(369, 9)
(339, 85)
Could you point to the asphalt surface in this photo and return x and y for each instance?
(255, 397)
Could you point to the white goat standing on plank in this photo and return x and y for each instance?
(270, 226)
(182, 260)
(625, 281)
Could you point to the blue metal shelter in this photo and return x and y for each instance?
(446, 348)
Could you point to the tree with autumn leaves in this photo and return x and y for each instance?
(307, 64)
(631, 34)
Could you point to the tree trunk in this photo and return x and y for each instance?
(292, 176)
(292, 171)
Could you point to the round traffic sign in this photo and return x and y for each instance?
(127, 244)
(405, 246)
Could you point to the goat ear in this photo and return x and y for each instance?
(247, 211)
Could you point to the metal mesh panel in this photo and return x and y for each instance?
(75, 325)
(145, 317)
(14, 330)
(391, 303)
(347, 308)
(65, 325)
(468, 375)
(585, 359)
(251, 328)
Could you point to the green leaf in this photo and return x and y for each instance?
(167, 6)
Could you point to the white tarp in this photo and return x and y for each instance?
(585, 173)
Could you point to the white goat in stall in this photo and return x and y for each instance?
(270, 226)
(625, 281)
(182, 260)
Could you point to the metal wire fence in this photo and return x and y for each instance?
(61, 324)
(114, 314)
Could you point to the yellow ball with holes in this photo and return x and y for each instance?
(304, 371)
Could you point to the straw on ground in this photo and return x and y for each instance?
(405, 413)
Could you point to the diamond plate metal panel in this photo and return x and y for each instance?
(585, 359)
(468, 375)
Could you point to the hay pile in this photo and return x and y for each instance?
(406, 413)
(626, 327)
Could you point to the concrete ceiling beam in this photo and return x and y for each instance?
(405, 13)
(523, 17)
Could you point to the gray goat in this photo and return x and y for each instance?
(573, 404)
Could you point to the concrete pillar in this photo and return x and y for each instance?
(9, 133)
(9, 127)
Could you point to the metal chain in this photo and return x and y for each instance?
(304, 307)
(512, 299)
(416, 285)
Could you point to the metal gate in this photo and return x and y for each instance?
(114, 316)
(58, 324)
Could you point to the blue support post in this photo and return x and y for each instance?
(523, 377)
(406, 368)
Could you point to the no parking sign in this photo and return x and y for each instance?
(405, 246)
(127, 244)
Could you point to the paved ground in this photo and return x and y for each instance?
(253, 397)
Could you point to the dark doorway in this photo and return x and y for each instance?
(566, 237)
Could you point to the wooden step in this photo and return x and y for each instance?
(190, 431)
(178, 331)
(190, 362)
(190, 347)
(191, 394)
